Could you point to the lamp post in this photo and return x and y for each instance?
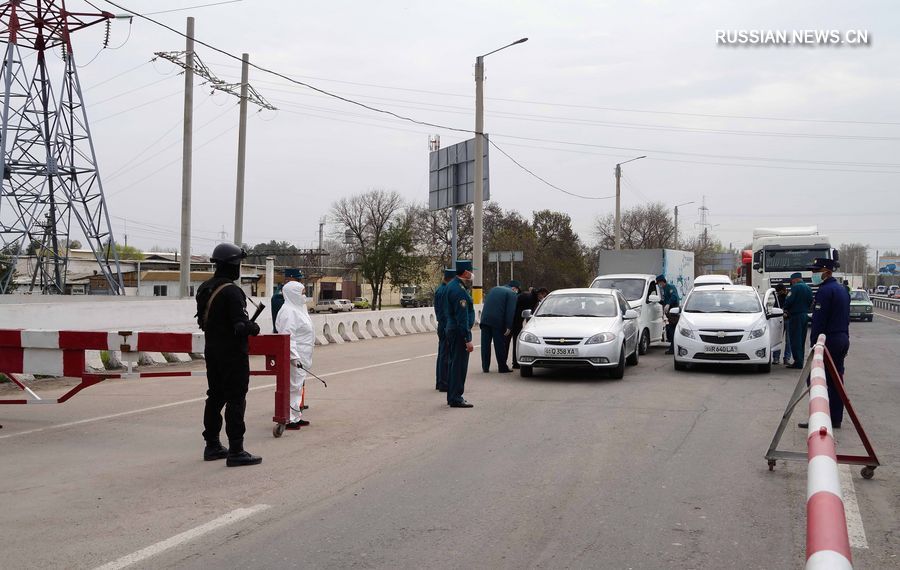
(478, 246)
(676, 221)
(619, 201)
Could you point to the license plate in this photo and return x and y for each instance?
(561, 352)
(720, 348)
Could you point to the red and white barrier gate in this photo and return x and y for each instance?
(827, 539)
(62, 353)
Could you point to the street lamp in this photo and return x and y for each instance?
(676, 221)
(478, 247)
(619, 200)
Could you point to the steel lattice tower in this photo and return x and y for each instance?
(50, 184)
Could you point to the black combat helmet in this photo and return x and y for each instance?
(227, 254)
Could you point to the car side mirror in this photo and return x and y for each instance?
(756, 266)
(630, 314)
(774, 313)
(526, 314)
(653, 298)
(675, 311)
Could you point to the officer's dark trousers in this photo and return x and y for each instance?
(838, 345)
(459, 365)
(514, 340)
(442, 366)
(797, 334)
(228, 377)
(493, 335)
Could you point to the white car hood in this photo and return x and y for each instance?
(570, 326)
(720, 321)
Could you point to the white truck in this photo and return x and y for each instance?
(676, 265)
(779, 252)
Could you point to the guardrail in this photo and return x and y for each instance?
(886, 303)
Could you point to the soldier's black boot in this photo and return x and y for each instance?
(214, 450)
(237, 457)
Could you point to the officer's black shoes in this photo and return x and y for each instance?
(515, 366)
(505, 371)
(803, 425)
(214, 450)
(461, 404)
(242, 458)
(296, 425)
(670, 351)
(441, 388)
(836, 426)
(304, 407)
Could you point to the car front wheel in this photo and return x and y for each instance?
(526, 371)
(619, 371)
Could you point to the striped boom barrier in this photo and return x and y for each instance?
(62, 353)
(827, 539)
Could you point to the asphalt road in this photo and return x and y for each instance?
(659, 470)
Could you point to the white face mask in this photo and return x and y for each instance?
(816, 278)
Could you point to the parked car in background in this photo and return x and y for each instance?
(592, 328)
(640, 292)
(712, 280)
(881, 290)
(361, 303)
(728, 324)
(861, 306)
(333, 306)
(896, 294)
(892, 290)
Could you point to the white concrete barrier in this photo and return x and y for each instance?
(177, 315)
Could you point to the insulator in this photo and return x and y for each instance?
(106, 38)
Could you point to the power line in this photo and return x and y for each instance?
(194, 7)
(605, 108)
(551, 185)
(288, 78)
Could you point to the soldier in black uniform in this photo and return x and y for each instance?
(222, 314)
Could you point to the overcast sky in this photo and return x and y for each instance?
(596, 83)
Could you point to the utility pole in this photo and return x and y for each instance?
(676, 222)
(185, 275)
(619, 200)
(477, 253)
(242, 154)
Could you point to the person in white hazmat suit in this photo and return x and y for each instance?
(294, 319)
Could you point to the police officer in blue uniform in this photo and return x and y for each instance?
(442, 366)
(460, 320)
(831, 317)
(668, 298)
(797, 307)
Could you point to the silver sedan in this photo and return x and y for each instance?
(589, 328)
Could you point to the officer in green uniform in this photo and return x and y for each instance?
(669, 299)
(458, 330)
(278, 298)
(442, 366)
(797, 306)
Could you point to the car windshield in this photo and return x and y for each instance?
(578, 306)
(859, 296)
(723, 302)
(791, 259)
(633, 289)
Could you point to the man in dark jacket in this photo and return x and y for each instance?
(458, 328)
(496, 324)
(831, 317)
(797, 305)
(526, 301)
(222, 314)
(442, 365)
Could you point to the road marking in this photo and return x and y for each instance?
(877, 314)
(179, 539)
(855, 528)
(194, 400)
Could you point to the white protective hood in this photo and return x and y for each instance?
(293, 319)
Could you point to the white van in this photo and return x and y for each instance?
(640, 292)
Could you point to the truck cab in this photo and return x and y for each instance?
(780, 252)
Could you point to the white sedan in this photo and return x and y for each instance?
(728, 324)
(589, 328)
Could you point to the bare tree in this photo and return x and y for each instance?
(854, 258)
(643, 227)
(366, 220)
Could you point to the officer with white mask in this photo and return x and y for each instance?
(294, 319)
